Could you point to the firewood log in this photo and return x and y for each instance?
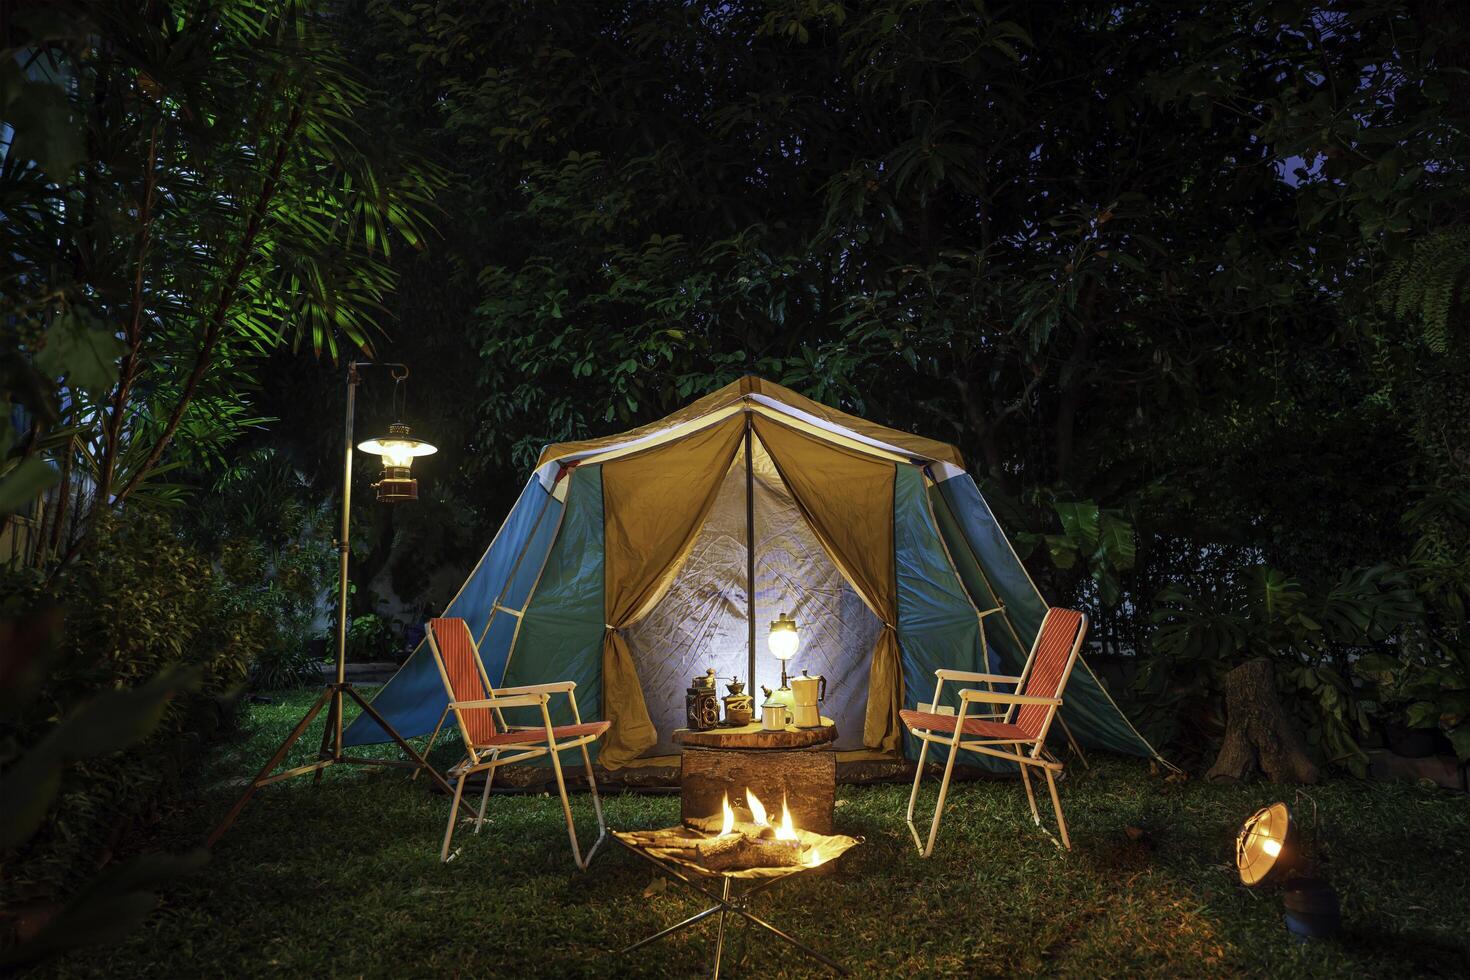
(712, 825)
(735, 851)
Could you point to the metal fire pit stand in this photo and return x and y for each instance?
(726, 904)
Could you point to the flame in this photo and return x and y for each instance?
(757, 812)
(728, 824)
(786, 831)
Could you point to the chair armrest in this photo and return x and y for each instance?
(518, 701)
(1000, 697)
(555, 687)
(945, 674)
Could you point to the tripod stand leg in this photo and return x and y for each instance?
(402, 744)
(327, 730)
(265, 771)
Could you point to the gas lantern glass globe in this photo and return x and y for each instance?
(784, 638)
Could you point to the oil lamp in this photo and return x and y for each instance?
(398, 449)
(783, 642)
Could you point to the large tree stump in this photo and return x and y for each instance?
(1258, 731)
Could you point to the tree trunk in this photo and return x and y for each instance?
(1258, 731)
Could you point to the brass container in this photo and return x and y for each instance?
(739, 706)
(702, 703)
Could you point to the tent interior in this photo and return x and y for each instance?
(700, 622)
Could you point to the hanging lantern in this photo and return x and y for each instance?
(398, 449)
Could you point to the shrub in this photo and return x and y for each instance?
(141, 601)
(369, 637)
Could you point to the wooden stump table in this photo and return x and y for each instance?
(795, 764)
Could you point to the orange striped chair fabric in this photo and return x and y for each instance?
(1058, 633)
(462, 664)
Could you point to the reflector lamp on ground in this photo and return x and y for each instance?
(398, 449)
(1268, 850)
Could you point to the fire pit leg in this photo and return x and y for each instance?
(696, 917)
(790, 939)
(727, 904)
(720, 934)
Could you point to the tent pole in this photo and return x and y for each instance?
(750, 553)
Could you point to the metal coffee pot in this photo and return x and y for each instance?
(807, 692)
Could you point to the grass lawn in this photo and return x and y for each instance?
(344, 880)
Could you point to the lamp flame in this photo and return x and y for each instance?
(786, 831)
(757, 811)
(1271, 846)
(728, 824)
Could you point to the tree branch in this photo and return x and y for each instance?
(133, 332)
(225, 301)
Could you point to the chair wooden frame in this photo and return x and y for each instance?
(482, 758)
(1027, 752)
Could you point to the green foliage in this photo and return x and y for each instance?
(1313, 631)
(147, 653)
(270, 538)
(1102, 541)
(369, 637)
(111, 905)
(184, 193)
(1429, 285)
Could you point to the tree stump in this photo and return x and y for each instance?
(1258, 731)
(805, 779)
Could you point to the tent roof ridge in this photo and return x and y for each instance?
(744, 394)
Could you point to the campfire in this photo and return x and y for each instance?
(742, 839)
(753, 843)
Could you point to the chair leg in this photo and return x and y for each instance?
(485, 796)
(1056, 805)
(596, 803)
(453, 815)
(1030, 794)
(566, 807)
(954, 751)
(430, 747)
(914, 795)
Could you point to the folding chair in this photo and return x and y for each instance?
(477, 710)
(1017, 732)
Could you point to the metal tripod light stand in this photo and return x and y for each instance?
(398, 449)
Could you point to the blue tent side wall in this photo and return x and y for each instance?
(975, 539)
(937, 622)
(562, 627)
(413, 699)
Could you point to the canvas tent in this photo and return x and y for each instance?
(629, 564)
